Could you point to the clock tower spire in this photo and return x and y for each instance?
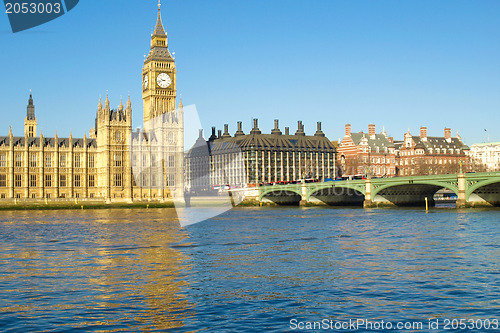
(158, 75)
(159, 30)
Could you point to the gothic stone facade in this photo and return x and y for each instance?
(112, 163)
(37, 167)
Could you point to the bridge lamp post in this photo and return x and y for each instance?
(368, 172)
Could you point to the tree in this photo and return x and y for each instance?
(350, 165)
(476, 165)
(428, 166)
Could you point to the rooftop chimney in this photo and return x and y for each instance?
(219, 134)
(319, 132)
(287, 130)
(213, 136)
(200, 142)
(239, 131)
(371, 131)
(226, 132)
(276, 129)
(423, 133)
(347, 129)
(300, 129)
(255, 129)
(447, 134)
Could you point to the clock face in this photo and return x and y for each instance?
(146, 81)
(163, 80)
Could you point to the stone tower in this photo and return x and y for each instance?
(163, 123)
(113, 128)
(158, 75)
(30, 120)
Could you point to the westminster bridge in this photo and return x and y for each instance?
(471, 189)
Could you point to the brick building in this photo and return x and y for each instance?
(423, 155)
(367, 153)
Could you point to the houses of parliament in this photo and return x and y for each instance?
(112, 163)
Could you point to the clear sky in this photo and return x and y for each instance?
(395, 63)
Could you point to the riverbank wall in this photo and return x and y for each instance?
(60, 204)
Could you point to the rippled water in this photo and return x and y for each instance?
(250, 269)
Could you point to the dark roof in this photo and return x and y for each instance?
(199, 148)
(419, 146)
(379, 141)
(159, 53)
(271, 142)
(117, 115)
(144, 137)
(30, 111)
(433, 142)
(159, 30)
(48, 142)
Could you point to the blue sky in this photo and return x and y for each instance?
(395, 63)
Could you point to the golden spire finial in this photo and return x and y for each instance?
(159, 5)
(106, 102)
(129, 103)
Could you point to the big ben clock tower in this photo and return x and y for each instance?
(158, 75)
(164, 124)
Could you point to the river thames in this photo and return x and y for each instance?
(249, 270)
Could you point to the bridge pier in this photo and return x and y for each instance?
(461, 197)
(303, 191)
(368, 203)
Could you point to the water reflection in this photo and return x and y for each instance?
(249, 269)
(318, 263)
(93, 269)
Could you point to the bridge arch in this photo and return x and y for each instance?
(281, 195)
(448, 185)
(339, 193)
(480, 184)
(411, 192)
(486, 191)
